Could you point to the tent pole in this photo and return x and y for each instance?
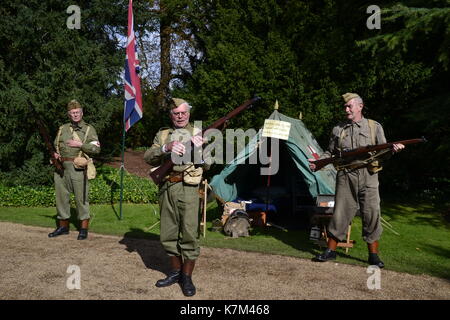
(268, 178)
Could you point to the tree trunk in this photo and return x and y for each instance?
(162, 90)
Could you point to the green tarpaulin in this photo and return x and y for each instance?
(239, 177)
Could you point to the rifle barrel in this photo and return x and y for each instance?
(51, 150)
(359, 151)
(158, 175)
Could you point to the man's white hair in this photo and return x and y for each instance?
(358, 100)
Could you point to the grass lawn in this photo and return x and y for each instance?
(423, 245)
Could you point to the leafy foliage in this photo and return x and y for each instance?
(104, 189)
(305, 54)
(43, 65)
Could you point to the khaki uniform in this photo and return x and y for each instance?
(356, 189)
(73, 179)
(178, 201)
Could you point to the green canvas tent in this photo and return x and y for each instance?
(292, 188)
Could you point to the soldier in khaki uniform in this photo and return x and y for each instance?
(357, 184)
(73, 142)
(178, 197)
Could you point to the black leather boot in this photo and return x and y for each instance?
(174, 276)
(83, 234)
(327, 255)
(374, 260)
(187, 286)
(62, 229)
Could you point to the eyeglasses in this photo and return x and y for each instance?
(182, 113)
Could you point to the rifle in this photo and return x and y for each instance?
(161, 172)
(51, 150)
(354, 153)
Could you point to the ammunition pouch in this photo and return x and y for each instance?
(85, 163)
(193, 175)
(374, 167)
(80, 163)
(91, 170)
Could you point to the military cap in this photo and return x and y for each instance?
(176, 102)
(73, 104)
(349, 96)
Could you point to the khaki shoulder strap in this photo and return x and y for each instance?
(341, 138)
(164, 135)
(77, 137)
(373, 129)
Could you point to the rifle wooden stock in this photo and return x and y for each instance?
(162, 171)
(51, 150)
(354, 153)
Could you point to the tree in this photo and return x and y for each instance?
(411, 53)
(43, 65)
(169, 51)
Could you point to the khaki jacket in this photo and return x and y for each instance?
(155, 156)
(91, 146)
(348, 135)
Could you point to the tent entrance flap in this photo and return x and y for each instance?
(293, 189)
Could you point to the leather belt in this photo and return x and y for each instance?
(178, 177)
(67, 159)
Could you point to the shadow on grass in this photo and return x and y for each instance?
(297, 239)
(114, 188)
(442, 270)
(148, 247)
(432, 215)
(296, 236)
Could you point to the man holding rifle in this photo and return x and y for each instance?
(178, 196)
(356, 181)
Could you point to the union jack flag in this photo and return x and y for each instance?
(133, 99)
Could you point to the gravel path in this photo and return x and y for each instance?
(33, 266)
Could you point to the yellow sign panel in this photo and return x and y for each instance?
(276, 129)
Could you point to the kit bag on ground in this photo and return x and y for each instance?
(238, 224)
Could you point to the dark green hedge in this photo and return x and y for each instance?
(103, 190)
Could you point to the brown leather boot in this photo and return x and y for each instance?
(373, 247)
(374, 260)
(187, 286)
(174, 275)
(62, 229)
(83, 229)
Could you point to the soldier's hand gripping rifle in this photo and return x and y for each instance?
(341, 157)
(162, 171)
(51, 150)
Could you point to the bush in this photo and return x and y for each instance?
(104, 189)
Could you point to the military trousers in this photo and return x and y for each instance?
(179, 206)
(71, 182)
(356, 190)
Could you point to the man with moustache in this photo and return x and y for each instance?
(179, 197)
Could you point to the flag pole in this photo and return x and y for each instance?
(122, 169)
(133, 97)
